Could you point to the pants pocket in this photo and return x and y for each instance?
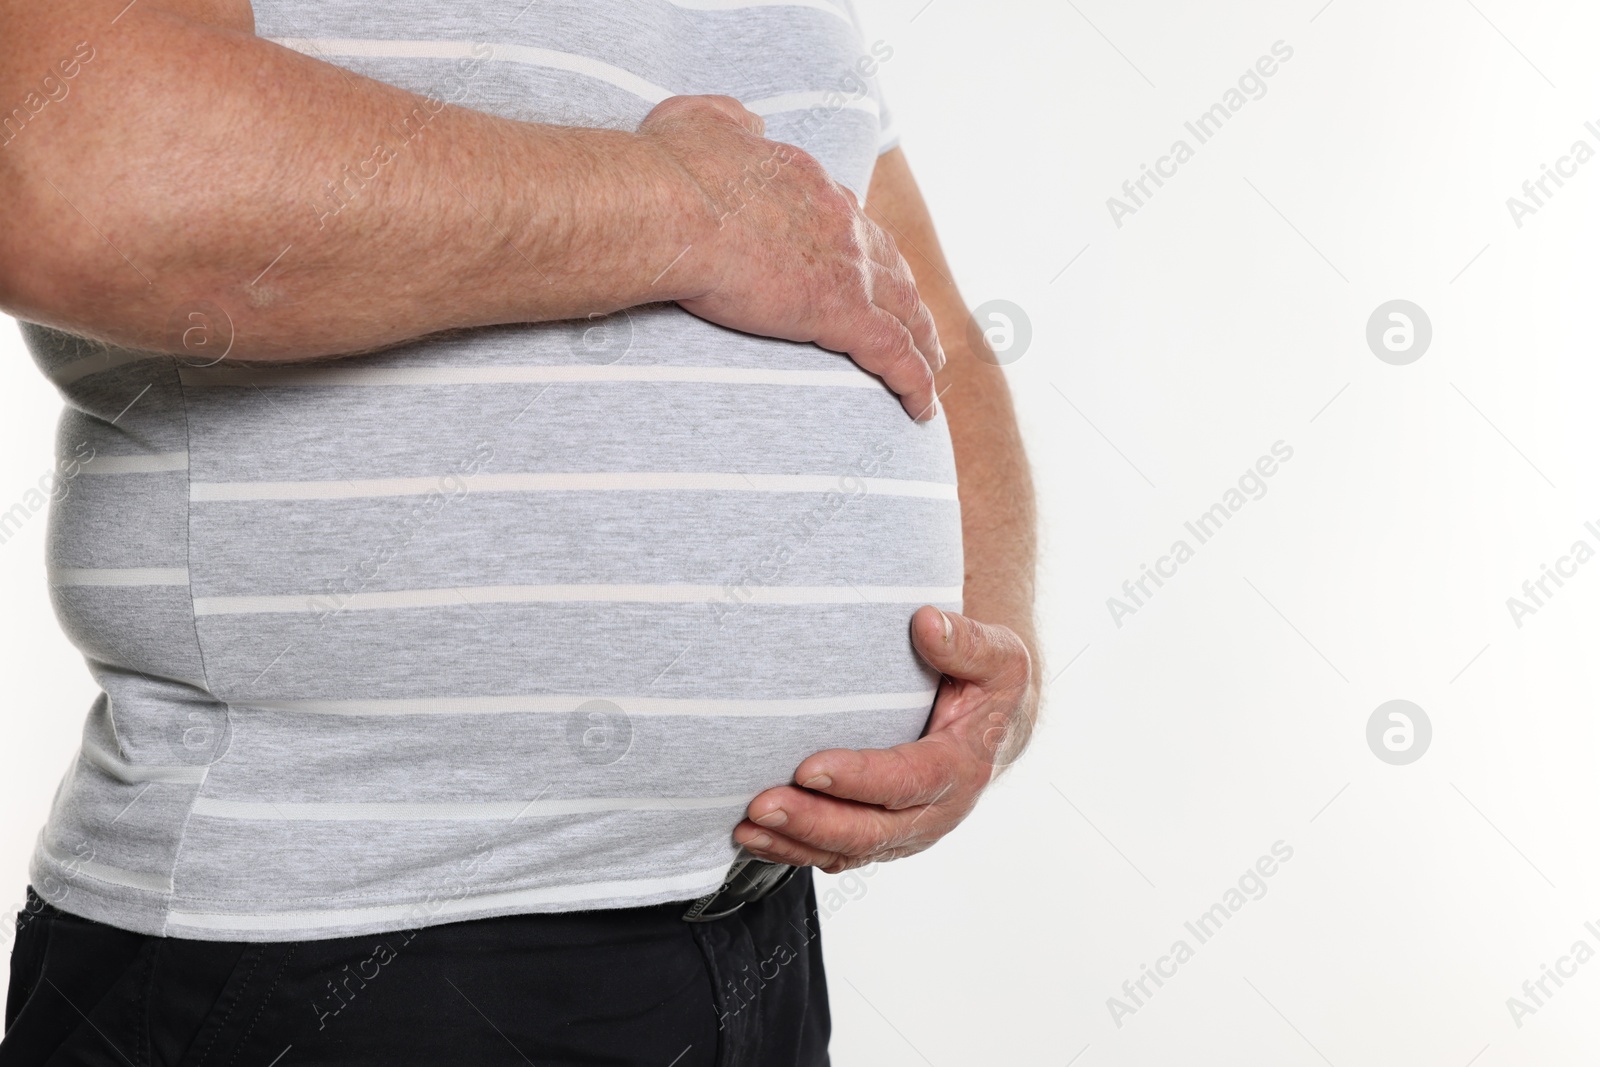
(79, 988)
(27, 954)
(219, 992)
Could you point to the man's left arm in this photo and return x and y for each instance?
(851, 807)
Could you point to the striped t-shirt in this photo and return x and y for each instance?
(514, 619)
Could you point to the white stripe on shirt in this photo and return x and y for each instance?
(451, 596)
(632, 705)
(575, 482)
(444, 374)
(447, 811)
(676, 886)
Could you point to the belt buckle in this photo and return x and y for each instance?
(749, 879)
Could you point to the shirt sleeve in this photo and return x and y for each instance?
(888, 135)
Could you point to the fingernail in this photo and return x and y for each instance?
(949, 630)
(775, 818)
(759, 841)
(817, 781)
(942, 359)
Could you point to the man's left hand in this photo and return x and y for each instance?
(854, 807)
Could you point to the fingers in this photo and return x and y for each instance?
(780, 848)
(828, 825)
(799, 826)
(895, 291)
(770, 845)
(963, 648)
(926, 332)
(906, 776)
(855, 806)
(884, 346)
(841, 281)
(897, 339)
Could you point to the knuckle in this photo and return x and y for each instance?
(1022, 661)
(921, 319)
(1010, 651)
(902, 365)
(987, 642)
(806, 164)
(880, 342)
(862, 842)
(901, 349)
(960, 778)
(838, 303)
(877, 238)
(702, 108)
(915, 378)
(837, 233)
(673, 106)
(780, 849)
(900, 289)
(906, 790)
(837, 208)
(810, 177)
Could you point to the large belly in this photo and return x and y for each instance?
(694, 514)
(525, 615)
(570, 603)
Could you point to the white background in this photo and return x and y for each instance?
(1228, 313)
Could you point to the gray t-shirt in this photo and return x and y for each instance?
(508, 620)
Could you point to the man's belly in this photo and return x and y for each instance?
(554, 608)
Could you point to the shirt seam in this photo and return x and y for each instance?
(194, 621)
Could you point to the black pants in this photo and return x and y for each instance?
(623, 987)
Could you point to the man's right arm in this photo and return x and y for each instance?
(190, 160)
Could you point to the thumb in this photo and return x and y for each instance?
(735, 110)
(700, 105)
(966, 649)
(699, 110)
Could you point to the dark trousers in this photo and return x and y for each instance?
(626, 986)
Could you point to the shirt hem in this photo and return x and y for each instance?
(164, 915)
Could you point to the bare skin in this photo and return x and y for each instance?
(850, 808)
(190, 157)
(182, 166)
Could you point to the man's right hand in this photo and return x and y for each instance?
(787, 252)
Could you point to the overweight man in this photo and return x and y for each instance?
(529, 491)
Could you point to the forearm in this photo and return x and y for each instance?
(998, 518)
(995, 487)
(190, 156)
